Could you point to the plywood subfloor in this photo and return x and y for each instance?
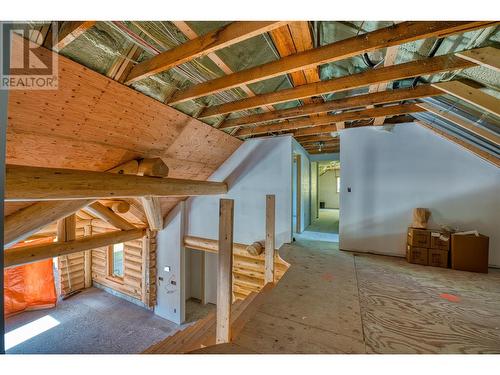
(331, 301)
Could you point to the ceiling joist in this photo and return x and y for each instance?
(392, 110)
(383, 97)
(70, 31)
(215, 40)
(471, 95)
(386, 37)
(459, 121)
(32, 253)
(380, 75)
(489, 57)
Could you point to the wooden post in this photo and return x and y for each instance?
(225, 271)
(87, 232)
(66, 231)
(270, 240)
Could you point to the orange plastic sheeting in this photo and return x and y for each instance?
(29, 287)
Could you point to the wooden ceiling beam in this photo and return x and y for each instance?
(316, 138)
(392, 110)
(471, 95)
(313, 146)
(223, 37)
(489, 57)
(190, 34)
(471, 127)
(29, 220)
(106, 214)
(152, 208)
(411, 69)
(34, 183)
(383, 97)
(386, 37)
(71, 30)
(33, 253)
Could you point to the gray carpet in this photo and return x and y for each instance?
(90, 322)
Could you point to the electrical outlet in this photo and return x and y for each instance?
(166, 268)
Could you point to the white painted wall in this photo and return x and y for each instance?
(328, 188)
(170, 253)
(305, 184)
(259, 167)
(314, 191)
(390, 173)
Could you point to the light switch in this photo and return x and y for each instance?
(166, 268)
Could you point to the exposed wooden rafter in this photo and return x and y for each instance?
(190, 34)
(364, 100)
(29, 220)
(105, 213)
(152, 208)
(392, 110)
(467, 125)
(488, 57)
(471, 95)
(386, 37)
(32, 253)
(71, 30)
(385, 74)
(215, 40)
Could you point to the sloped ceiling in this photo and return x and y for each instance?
(92, 122)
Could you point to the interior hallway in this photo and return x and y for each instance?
(324, 228)
(331, 301)
(92, 321)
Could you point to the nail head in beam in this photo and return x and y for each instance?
(270, 239)
(33, 253)
(25, 183)
(225, 271)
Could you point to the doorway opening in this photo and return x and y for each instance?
(296, 194)
(325, 208)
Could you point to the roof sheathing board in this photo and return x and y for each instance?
(99, 47)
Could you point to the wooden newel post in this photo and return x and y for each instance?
(224, 271)
(270, 240)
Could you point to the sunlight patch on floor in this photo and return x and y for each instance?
(28, 331)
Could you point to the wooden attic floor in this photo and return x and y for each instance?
(331, 301)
